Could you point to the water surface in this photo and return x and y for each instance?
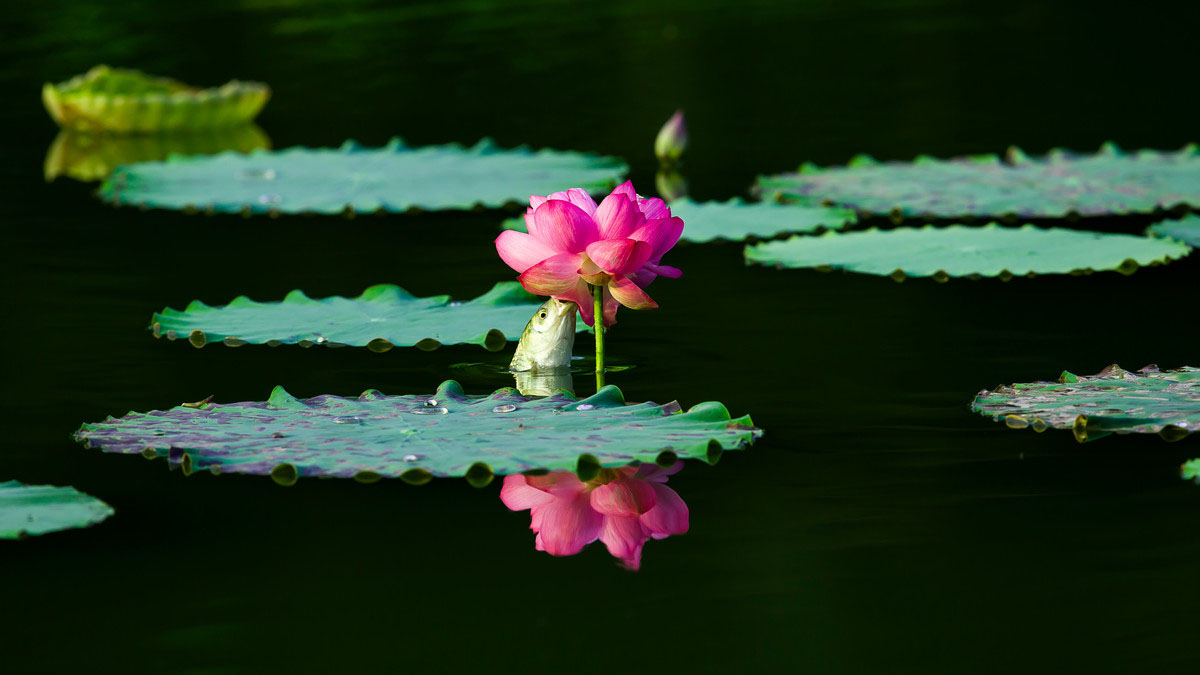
(879, 526)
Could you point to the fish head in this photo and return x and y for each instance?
(548, 338)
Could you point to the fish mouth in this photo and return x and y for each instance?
(561, 313)
(548, 345)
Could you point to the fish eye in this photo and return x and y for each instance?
(542, 314)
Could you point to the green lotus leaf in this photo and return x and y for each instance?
(1150, 401)
(1186, 230)
(88, 156)
(736, 220)
(382, 317)
(37, 509)
(355, 179)
(417, 437)
(1191, 470)
(119, 100)
(1057, 185)
(958, 250)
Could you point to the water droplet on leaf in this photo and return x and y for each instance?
(262, 174)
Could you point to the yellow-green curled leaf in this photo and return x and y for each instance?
(119, 100)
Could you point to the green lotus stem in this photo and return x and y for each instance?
(598, 329)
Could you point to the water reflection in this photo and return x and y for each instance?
(88, 156)
(670, 184)
(544, 382)
(624, 508)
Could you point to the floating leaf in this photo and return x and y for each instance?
(1186, 230)
(384, 316)
(736, 220)
(1057, 185)
(417, 437)
(356, 179)
(129, 101)
(87, 156)
(1191, 470)
(38, 509)
(1150, 401)
(957, 250)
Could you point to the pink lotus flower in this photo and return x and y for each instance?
(572, 242)
(621, 507)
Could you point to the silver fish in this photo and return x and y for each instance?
(548, 338)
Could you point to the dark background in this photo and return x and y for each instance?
(879, 526)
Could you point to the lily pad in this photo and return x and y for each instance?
(737, 220)
(1186, 230)
(129, 101)
(88, 156)
(958, 250)
(1057, 185)
(356, 179)
(1165, 402)
(417, 437)
(382, 317)
(1191, 470)
(37, 509)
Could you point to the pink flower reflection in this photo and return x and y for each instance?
(621, 507)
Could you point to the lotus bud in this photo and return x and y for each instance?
(671, 140)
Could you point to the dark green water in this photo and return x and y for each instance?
(878, 527)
